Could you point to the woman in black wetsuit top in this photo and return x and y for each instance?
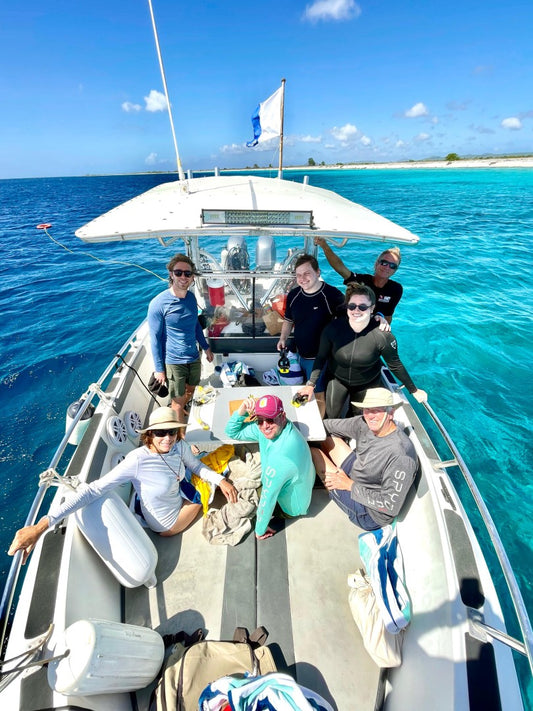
(353, 347)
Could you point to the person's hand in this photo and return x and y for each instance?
(161, 377)
(247, 406)
(267, 534)
(26, 538)
(281, 344)
(338, 479)
(384, 325)
(420, 396)
(308, 391)
(229, 491)
(319, 242)
(209, 355)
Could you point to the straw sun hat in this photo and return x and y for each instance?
(163, 418)
(377, 397)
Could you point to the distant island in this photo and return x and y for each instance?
(451, 161)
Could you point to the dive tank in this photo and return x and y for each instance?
(265, 252)
(78, 431)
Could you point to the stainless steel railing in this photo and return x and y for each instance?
(518, 601)
(14, 570)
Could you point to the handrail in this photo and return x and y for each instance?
(512, 584)
(16, 564)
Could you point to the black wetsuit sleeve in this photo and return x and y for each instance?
(389, 353)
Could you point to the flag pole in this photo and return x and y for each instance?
(282, 111)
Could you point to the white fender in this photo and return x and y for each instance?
(120, 540)
(105, 657)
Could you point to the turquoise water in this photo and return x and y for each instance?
(463, 325)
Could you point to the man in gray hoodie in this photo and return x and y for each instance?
(371, 483)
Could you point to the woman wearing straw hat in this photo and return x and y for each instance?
(158, 471)
(371, 483)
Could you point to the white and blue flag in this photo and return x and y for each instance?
(266, 119)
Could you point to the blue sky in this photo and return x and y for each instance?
(372, 80)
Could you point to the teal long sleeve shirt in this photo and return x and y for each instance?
(287, 471)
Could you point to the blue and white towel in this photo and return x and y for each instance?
(275, 691)
(382, 557)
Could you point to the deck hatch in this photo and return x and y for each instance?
(291, 218)
(43, 599)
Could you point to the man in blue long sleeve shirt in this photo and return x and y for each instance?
(287, 471)
(175, 332)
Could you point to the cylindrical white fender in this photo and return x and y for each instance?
(120, 540)
(78, 431)
(105, 657)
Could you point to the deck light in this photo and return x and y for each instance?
(292, 218)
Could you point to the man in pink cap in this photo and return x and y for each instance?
(287, 471)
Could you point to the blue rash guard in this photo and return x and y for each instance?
(287, 471)
(174, 330)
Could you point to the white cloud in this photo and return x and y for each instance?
(513, 123)
(155, 101)
(417, 110)
(234, 149)
(152, 159)
(365, 140)
(332, 10)
(400, 143)
(128, 107)
(345, 133)
(311, 139)
(422, 137)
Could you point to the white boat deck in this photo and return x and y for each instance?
(293, 583)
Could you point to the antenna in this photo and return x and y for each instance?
(180, 169)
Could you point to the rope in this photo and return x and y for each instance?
(50, 477)
(98, 259)
(117, 355)
(104, 397)
(7, 677)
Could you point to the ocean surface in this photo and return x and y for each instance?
(463, 325)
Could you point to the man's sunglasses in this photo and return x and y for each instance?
(182, 272)
(164, 433)
(386, 263)
(361, 307)
(261, 420)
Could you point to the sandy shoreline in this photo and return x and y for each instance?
(463, 163)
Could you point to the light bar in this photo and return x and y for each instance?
(291, 218)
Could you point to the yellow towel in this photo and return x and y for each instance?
(217, 461)
(204, 489)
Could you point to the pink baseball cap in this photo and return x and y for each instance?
(269, 406)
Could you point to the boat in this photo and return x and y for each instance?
(244, 234)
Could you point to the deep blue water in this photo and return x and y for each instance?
(463, 326)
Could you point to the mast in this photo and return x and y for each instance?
(178, 161)
(282, 111)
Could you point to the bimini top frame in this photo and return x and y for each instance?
(241, 205)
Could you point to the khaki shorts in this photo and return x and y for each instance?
(182, 374)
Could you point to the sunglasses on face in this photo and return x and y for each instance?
(386, 263)
(361, 307)
(164, 433)
(269, 420)
(182, 272)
